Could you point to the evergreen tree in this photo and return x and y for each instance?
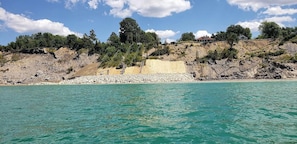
(269, 30)
(187, 37)
(130, 31)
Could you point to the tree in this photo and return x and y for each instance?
(269, 30)
(92, 36)
(187, 37)
(114, 40)
(71, 40)
(234, 31)
(239, 30)
(87, 42)
(59, 41)
(151, 40)
(232, 38)
(219, 36)
(129, 31)
(247, 33)
(49, 39)
(2, 48)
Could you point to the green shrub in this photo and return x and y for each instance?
(69, 70)
(83, 50)
(15, 57)
(229, 53)
(161, 52)
(153, 57)
(294, 58)
(285, 58)
(268, 54)
(2, 60)
(202, 60)
(183, 54)
(277, 53)
(294, 39)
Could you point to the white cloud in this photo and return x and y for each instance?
(169, 40)
(163, 34)
(122, 13)
(153, 8)
(53, 0)
(70, 3)
(254, 24)
(2, 28)
(201, 33)
(280, 20)
(146, 8)
(273, 11)
(22, 24)
(255, 5)
(117, 4)
(279, 11)
(93, 4)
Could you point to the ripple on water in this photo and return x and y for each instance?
(261, 112)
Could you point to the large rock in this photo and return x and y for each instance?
(65, 54)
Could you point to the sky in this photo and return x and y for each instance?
(168, 18)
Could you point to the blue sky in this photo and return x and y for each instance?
(168, 18)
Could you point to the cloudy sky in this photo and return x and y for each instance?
(168, 18)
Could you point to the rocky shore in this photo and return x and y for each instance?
(126, 79)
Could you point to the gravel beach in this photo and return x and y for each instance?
(125, 79)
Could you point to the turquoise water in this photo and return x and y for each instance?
(258, 112)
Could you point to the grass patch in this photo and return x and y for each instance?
(3, 60)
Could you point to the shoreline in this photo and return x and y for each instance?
(144, 79)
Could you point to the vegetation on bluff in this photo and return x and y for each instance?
(128, 46)
(123, 49)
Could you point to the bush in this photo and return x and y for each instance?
(15, 57)
(202, 60)
(294, 59)
(277, 53)
(161, 52)
(229, 53)
(69, 70)
(285, 58)
(294, 39)
(267, 54)
(2, 60)
(153, 57)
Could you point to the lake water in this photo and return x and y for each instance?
(237, 112)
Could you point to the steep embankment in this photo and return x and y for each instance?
(54, 67)
(150, 67)
(256, 59)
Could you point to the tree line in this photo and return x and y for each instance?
(127, 47)
(123, 48)
(268, 30)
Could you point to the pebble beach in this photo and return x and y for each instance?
(126, 79)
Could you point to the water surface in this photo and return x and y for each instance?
(238, 112)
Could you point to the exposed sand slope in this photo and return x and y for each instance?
(159, 66)
(150, 67)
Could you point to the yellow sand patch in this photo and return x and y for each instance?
(151, 67)
(132, 70)
(108, 71)
(158, 66)
(90, 69)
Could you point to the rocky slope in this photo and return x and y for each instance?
(256, 59)
(33, 68)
